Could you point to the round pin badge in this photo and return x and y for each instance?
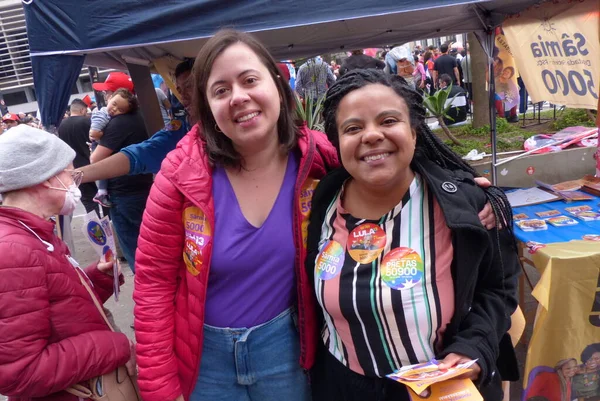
(402, 268)
(330, 261)
(366, 242)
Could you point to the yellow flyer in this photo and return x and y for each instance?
(454, 389)
(419, 377)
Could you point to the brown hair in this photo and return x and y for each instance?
(427, 55)
(218, 146)
(129, 97)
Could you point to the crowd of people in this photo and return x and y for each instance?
(263, 251)
(424, 70)
(11, 120)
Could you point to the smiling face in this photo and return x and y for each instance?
(117, 105)
(243, 98)
(569, 369)
(507, 73)
(594, 362)
(376, 140)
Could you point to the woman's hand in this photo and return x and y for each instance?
(107, 267)
(452, 360)
(131, 364)
(180, 398)
(486, 215)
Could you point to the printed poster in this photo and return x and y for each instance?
(557, 49)
(505, 73)
(99, 233)
(563, 359)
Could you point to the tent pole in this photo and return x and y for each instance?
(492, 86)
(144, 88)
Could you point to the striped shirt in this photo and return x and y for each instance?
(385, 286)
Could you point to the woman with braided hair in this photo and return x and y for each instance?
(433, 282)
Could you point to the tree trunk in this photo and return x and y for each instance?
(479, 67)
(447, 131)
(590, 114)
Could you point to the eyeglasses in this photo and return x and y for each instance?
(76, 176)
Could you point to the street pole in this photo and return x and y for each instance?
(93, 71)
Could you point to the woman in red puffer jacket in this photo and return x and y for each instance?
(224, 309)
(53, 335)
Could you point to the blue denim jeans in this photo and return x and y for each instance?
(126, 215)
(256, 364)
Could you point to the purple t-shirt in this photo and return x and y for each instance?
(252, 277)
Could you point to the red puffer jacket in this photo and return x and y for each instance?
(51, 333)
(172, 273)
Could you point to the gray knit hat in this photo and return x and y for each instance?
(30, 156)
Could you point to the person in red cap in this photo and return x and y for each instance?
(125, 126)
(114, 81)
(10, 120)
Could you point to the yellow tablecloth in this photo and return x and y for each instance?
(568, 315)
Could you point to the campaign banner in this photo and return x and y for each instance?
(563, 358)
(165, 66)
(556, 46)
(505, 73)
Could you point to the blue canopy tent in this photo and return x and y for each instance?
(115, 33)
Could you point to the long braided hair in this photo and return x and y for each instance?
(427, 144)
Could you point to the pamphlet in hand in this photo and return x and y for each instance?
(100, 235)
(419, 377)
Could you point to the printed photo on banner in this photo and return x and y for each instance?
(563, 357)
(505, 77)
(557, 49)
(574, 378)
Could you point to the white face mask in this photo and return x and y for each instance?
(72, 197)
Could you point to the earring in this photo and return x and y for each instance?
(218, 129)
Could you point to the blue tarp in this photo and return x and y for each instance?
(558, 234)
(76, 25)
(107, 32)
(54, 77)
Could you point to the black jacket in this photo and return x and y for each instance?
(485, 267)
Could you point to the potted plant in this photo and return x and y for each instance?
(438, 107)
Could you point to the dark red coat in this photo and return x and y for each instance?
(51, 334)
(170, 294)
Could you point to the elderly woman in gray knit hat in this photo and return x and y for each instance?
(53, 332)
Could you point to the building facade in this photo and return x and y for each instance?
(16, 75)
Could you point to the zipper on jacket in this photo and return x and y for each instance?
(302, 176)
(188, 391)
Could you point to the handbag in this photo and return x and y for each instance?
(113, 386)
